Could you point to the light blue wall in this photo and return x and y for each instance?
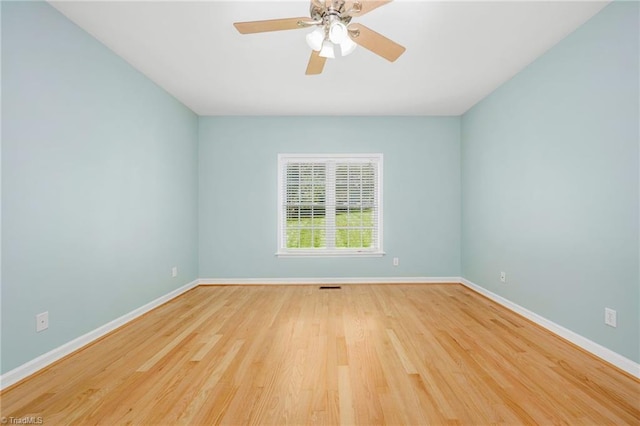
(238, 193)
(99, 184)
(550, 183)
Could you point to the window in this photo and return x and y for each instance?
(330, 205)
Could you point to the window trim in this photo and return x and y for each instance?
(282, 251)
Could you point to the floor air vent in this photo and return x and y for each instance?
(330, 287)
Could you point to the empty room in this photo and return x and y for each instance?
(320, 212)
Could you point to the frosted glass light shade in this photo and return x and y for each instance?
(327, 50)
(338, 32)
(347, 46)
(315, 39)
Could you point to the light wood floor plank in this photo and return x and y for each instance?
(365, 354)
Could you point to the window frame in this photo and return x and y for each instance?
(375, 251)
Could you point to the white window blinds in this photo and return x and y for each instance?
(330, 204)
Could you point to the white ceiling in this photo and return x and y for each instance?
(457, 53)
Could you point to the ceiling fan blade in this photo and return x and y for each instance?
(269, 25)
(367, 5)
(316, 63)
(377, 43)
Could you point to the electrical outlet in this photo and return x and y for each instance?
(42, 321)
(174, 271)
(610, 317)
(503, 277)
(396, 261)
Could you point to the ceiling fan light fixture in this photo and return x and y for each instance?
(315, 39)
(347, 46)
(327, 50)
(332, 28)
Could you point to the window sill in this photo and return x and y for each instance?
(331, 254)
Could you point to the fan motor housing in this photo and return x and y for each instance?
(332, 13)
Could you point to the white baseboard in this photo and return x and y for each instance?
(596, 349)
(321, 281)
(31, 367)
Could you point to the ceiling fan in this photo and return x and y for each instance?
(332, 19)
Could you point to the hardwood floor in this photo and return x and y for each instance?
(365, 354)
